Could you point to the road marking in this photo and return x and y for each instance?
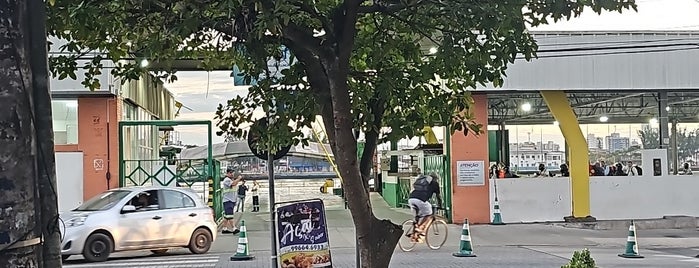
(164, 261)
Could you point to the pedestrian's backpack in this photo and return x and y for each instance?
(639, 170)
(422, 183)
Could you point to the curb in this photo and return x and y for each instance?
(667, 222)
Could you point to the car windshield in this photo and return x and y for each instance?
(103, 201)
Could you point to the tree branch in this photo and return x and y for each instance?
(345, 19)
(324, 21)
(377, 107)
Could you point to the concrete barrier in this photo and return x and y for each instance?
(612, 198)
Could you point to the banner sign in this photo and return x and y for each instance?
(303, 235)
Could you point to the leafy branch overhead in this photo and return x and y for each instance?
(410, 63)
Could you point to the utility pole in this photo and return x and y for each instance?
(27, 182)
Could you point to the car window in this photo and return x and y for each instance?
(103, 201)
(175, 199)
(146, 200)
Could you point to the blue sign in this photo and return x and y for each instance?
(275, 69)
(302, 235)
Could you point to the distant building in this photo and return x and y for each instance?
(614, 143)
(594, 142)
(527, 156)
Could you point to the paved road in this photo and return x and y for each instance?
(513, 245)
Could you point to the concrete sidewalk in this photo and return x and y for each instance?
(512, 245)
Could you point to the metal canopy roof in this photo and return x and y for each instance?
(617, 74)
(619, 106)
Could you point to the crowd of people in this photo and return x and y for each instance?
(599, 168)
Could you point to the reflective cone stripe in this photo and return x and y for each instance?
(465, 236)
(242, 241)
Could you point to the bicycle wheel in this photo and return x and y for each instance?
(436, 234)
(406, 242)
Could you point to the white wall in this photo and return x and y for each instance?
(69, 179)
(611, 197)
(643, 197)
(532, 199)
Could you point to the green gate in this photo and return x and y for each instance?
(201, 175)
(405, 185)
(438, 164)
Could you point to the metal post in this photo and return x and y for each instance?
(663, 130)
(675, 155)
(270, 170)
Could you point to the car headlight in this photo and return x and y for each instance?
(77, 221)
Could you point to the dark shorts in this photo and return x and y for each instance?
(228, 209)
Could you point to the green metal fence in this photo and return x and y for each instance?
(439, 164)
(405, 185)
(192, 173)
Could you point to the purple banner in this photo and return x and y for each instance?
(303, 235)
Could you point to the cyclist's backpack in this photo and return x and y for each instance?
(422, 183)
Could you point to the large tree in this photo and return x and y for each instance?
(29, 226)
(361, 65)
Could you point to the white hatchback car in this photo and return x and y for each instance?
(138, 218)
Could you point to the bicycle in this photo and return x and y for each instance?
(434, 224)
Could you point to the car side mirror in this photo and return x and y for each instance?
(128, 209)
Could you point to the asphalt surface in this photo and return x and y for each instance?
(512, 245)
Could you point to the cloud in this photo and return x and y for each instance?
(200, 82)
(651, 15)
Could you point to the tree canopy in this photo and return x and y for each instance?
(407, 57)
(362, 65)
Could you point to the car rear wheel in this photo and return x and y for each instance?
(97, 247)
(159, 251)
(200, 242)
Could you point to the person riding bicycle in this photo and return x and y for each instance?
(423, 189)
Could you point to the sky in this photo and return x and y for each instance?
(203, 92)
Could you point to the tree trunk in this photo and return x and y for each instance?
(46, 161)
(377, 238)
(18, 210)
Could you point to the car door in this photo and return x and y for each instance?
(181, 215)
(141, 228)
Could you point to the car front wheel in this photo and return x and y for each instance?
(200, 242)
(97, 247)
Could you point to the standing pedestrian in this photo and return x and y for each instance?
(229, 197)
(255, 196)
(242, 190)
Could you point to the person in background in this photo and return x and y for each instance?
(229, 186)
(631, 169)
(598, 170)
(686, 169)
(606, 170)
(242, 191)
(255, 196)
(542, 171)
(565, 172)
(619, 170)
(509, 173)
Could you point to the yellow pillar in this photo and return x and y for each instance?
(559, 106)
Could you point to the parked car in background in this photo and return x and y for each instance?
(138, 218)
